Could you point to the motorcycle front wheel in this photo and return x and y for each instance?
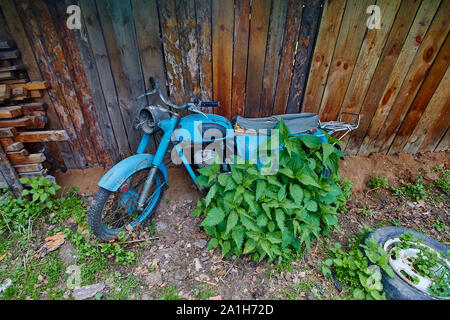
(110, 212)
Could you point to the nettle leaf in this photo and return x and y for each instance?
(287, 172)
(236, 174)
(222, 179)
(226, 247)
(249, 223)
(274, 237)
(261, 220)
(213, 243)
(213, 217)
(210, 195)
(310, 141)
(311, 205)
(249, 198)
(281, 193)
(307, 180)
(261, 186)
(233, 218)
(327, 150)
(238, 237)
(250, 246)
(296, 193)
(279, 217)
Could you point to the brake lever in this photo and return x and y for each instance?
(193, 109)
(147, 93)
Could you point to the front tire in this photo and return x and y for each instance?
(97, 210)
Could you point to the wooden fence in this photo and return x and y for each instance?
(257, 57)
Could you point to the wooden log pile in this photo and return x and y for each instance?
(23, 116)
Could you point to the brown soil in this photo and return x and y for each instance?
(399, 169)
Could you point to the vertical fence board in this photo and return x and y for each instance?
(273, 55)
(241, 33)
(436, 110)
(306, 39)
(172, 50)
(105, 76)
(345, 54)
(291, 29)
(391, 51)
(72, 52)
(421, 64)
(222, 50)
(444, 144)
(116, 16)
(187, 26)
(330, 24)
(422, 98)
(399, 71)
(369, 55)
(203, 12)
(259, 27)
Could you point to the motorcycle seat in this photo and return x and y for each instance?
(296, 122)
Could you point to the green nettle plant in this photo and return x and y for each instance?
(358, 271)
(41, 190)
(246, 212)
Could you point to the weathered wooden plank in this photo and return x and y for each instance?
(291, 29)
(12, 68)
(78, 55)
(351, 35)
(10, 112)
(305, 45)
(17, 154)
(9, 54)
(16, 146)
(18, 122)
(32, 158)
(185, 11)
(420, 66)
(5, 92)
(273, 55)
(41, 136)
(5, 142)
(422, 98)
(222, 52)
(172, 50)
(53, 66)
(7, 44)
(259, 27)
(33, 85)
(434, 121)
(398, 74)
(104, 80)
(30, 174)
(203, 12)
(9, 174)
(7, 132)
(28, 167)
(444, 144)
(241, 33)
(368, 58)
(123, 49)
(150, 45)
(391, 51)
(151, 52)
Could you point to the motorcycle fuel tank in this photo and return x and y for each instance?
(196, 128)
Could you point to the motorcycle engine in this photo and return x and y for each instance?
(204, 157)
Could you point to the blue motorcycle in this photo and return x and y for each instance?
(130, 192)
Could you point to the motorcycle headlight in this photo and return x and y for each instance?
(150, 116)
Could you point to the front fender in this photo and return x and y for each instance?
(114, 178)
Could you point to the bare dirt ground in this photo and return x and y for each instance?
(179, 257)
